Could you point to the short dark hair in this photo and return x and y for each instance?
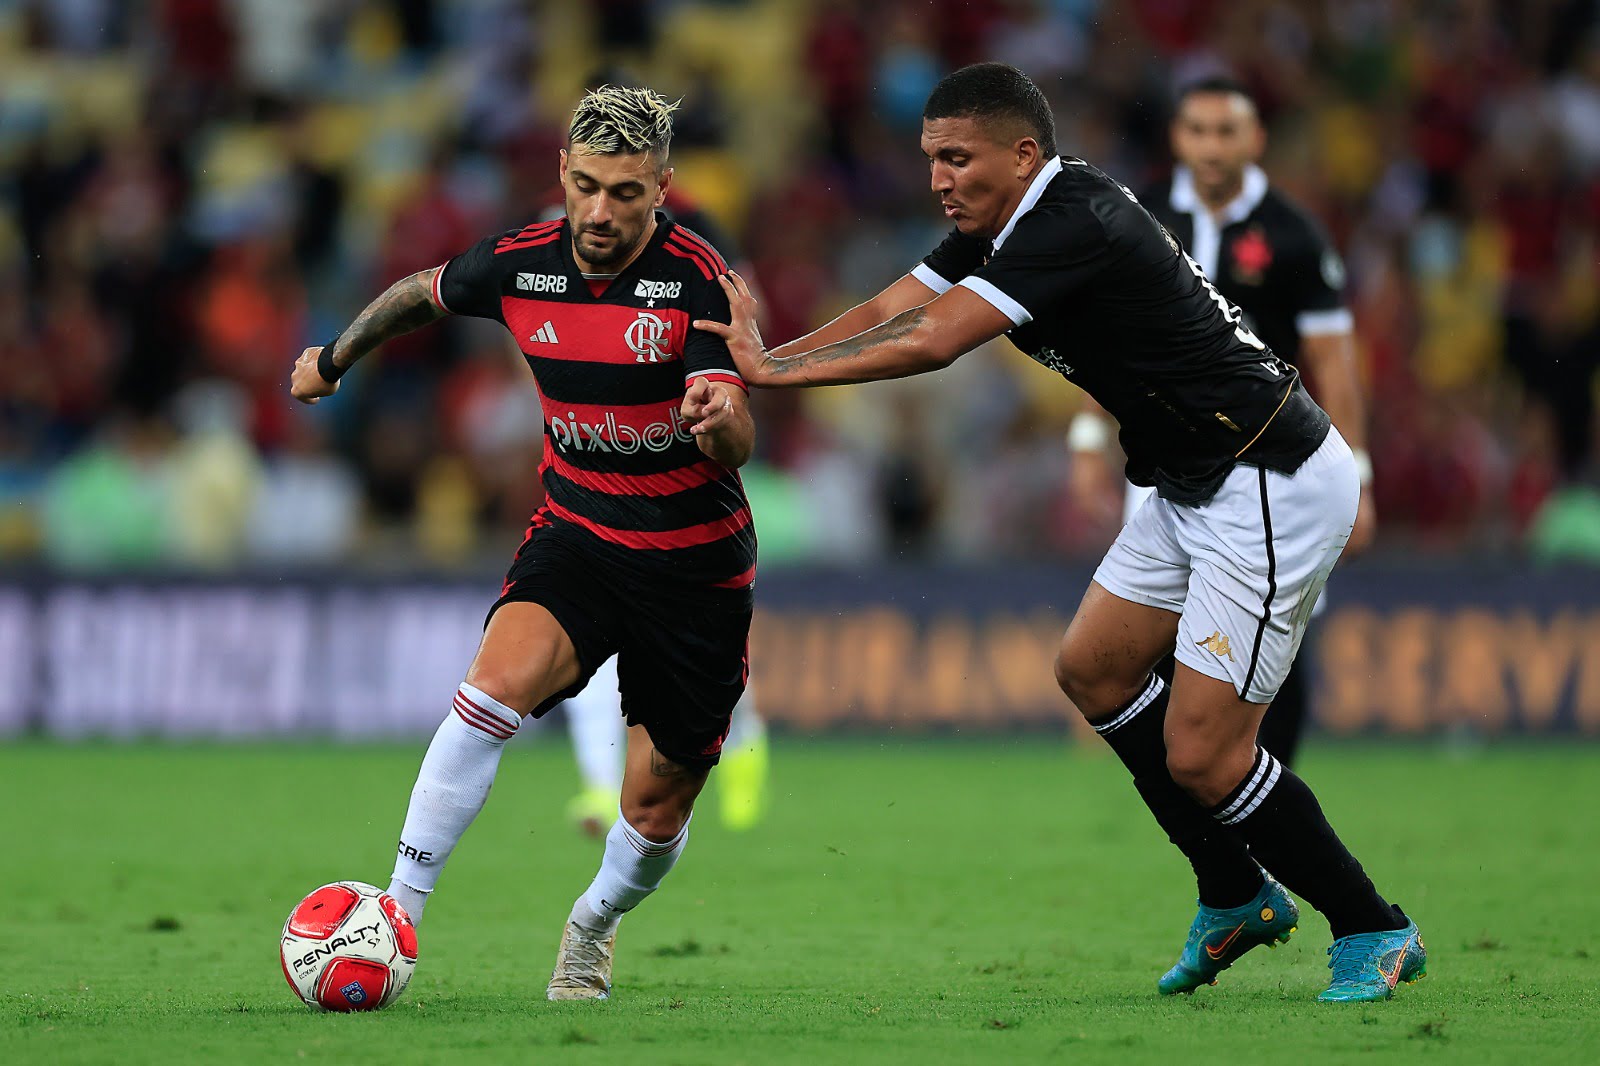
(988, 91)
(1216, 83)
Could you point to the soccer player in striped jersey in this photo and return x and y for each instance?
(644, 548)
(594, 716)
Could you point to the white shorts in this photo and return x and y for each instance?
(1243, 571)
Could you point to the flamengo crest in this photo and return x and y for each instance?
(647, 337)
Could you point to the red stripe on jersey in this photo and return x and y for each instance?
(637, 416)
(693, 240)
(538, 229)
(663, 484)
(592, 332)
(697, 250)
(722, 376)
(533, 243)
(687, 537)
(696, 260)
(738, 581)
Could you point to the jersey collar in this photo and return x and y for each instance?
(1030, 198)
(1186, 198)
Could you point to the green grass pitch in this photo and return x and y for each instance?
(916, 902)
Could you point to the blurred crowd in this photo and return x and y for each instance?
(191, 191)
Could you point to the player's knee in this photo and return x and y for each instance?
(1073, 678)
(1091, 689)
(1199, 770)
(505, 687)
(658, 822)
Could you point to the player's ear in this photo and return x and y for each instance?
(1027, 153)
(563, 166)
(662, 185)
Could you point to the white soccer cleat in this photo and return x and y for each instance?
(583, 965)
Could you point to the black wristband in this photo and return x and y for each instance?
(325, 365)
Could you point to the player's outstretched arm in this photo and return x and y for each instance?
(929, 337)
(902, 296)
(406, 305)
(719, 417)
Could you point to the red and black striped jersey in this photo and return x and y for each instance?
(620, 465)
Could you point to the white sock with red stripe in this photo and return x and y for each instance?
(451, 786)
(632, 869)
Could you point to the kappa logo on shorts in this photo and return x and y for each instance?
(1217, 645)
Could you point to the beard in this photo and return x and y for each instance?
(601, 256)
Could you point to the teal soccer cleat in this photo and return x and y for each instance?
(1368, 966)
(1219, 937)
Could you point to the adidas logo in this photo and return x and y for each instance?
(546, 334)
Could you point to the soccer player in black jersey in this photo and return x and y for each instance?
(644, 548)
(1256, 495)
(1273, 262)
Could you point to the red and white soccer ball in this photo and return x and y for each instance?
(348, 946)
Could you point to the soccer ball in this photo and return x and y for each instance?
(348, 946)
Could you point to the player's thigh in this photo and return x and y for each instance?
(1128, 616)
(658, 792)
(525, 657)
(1261, 551)
(557, 621)
(1109, 649)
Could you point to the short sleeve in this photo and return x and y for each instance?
(957, 256)
(705, 355)
(1052, 252)
(1316, 288)
(469, 284)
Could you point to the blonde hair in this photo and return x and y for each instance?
(614, 119)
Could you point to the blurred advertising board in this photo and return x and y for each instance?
(906, 648)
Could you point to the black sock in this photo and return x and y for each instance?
(1282, 822)
(1223, 870)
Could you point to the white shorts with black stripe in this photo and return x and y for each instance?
(1244, 569)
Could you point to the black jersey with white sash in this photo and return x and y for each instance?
(1098, 291)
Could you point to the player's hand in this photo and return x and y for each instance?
(706, 407)
(1366, 527)
(740, 334)
(306, 384)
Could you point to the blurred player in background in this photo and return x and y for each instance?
(1257, 492)
(644, 549)
(599, 739)
(594, 716)
(1273, 262)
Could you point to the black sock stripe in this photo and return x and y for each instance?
(1272, 588)
(1258, 794)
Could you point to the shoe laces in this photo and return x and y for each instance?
(1347, 966)
(585, 961)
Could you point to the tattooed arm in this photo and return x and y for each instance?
(406, 305)
(914, 341)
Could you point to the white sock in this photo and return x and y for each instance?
(599, 739)
(451, 786)
(630, 871)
